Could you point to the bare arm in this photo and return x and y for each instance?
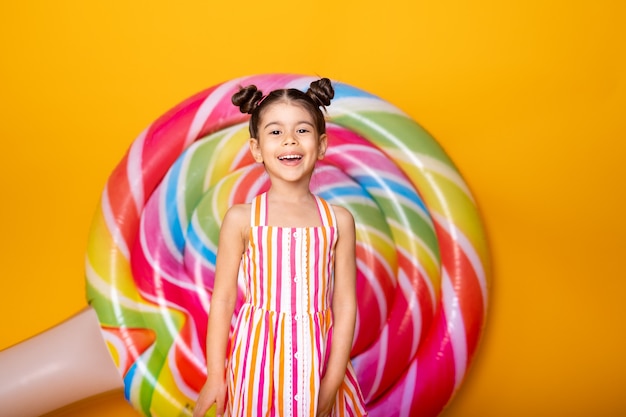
(344, 311)
(230, 248)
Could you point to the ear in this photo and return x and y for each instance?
(255, 149)
(323, 145)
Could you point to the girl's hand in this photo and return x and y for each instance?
(325, 400)
(211, 393)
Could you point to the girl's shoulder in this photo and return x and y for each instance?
(238, 215)
(237, 222)
(239, 210)
(343, 215)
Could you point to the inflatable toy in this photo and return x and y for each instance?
(422, 257)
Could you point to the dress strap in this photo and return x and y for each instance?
(327, 214)
(258, 210)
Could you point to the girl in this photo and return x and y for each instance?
(298, 258)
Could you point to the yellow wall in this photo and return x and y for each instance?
(527, 97)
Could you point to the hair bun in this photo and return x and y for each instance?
(321, 91)
(247, 98)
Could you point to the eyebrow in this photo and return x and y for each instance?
(298, 123)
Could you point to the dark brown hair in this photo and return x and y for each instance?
(251, 100)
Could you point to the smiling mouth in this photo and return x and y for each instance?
(290, 157)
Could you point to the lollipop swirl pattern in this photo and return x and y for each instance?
(422, 258)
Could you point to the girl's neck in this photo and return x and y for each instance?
(289, 194)
(292, 209)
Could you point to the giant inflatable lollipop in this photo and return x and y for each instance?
(423, 267)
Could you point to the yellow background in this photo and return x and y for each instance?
(527, 96)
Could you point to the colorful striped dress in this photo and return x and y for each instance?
(282, 335)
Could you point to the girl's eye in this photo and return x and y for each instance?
(303, 130)
(275, 132)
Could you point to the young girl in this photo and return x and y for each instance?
(290, 350)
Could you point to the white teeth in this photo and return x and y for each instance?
(289, 157)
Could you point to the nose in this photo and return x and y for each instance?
(289, 139)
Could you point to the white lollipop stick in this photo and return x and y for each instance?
(60, 366)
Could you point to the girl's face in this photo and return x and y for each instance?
(288, 144)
